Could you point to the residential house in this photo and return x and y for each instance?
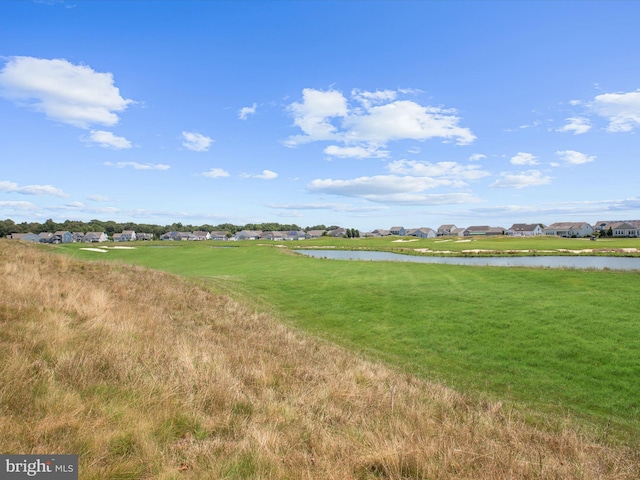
(78, 236)
(273, 235)
(379, 232)
(144, 236)
(200, 235)
(524, 230)
(247, 235)
(127, 236)
(315, 233)
(296, 235)
(169, 236)
(625, 229)
(219, 235)
(175, 236)
(477, 230)
(619, 228)
(445, 230)
(95, 237)
(458, 232)
(338, 232)
(25, 237)
(398, 231)
(422, 232)
(62, 237)
(46, 237)
(495, 231)
(569, 229)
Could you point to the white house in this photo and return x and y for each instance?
(569, 229)
(627, 228)
(524, 230)
(95, 237)
(219, 235)
(199, 235)
(127, 236)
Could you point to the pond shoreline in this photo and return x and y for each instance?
(602, 252)
(573, 261)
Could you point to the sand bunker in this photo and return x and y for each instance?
(100, 250)
(405, 241)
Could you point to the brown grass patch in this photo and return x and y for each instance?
(146, 375)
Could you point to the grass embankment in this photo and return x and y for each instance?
(557, 342)
(146, 375)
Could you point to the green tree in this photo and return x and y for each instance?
(7, 227)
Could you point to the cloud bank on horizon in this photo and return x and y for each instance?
(195, 139)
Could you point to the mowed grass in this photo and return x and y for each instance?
(145, 374)
(556, 342)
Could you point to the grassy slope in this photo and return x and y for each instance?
(558, 341)
(146, 375)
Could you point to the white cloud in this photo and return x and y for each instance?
(8, 205)
(449, 170)
(377, 119)
(367, 99)
(336, 207)
(11, 187)
(621, 109)
(406, 184)
(394, 189)
(356, 152)
(73, 94)
(138, 166)
(577, 125)
(477, 156)
(216, 173)
(599, 208)
(572, 157)
(313, 115)
(375, 185)
(196, 141)
(405, 119)
(265, 175)
(246, 111)
(425, 198)
(108, 140)
(522, 158)
(530, 178)
(98, 198)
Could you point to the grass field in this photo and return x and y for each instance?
(147, 375)
(555, 342)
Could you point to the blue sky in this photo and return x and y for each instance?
(363, 114)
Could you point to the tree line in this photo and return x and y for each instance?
(110, 227)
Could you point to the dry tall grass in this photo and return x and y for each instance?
(146, 375)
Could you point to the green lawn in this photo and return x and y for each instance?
(553, 341)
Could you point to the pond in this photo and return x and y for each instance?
(578, 262)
